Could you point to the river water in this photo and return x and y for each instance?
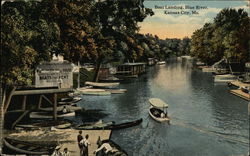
(206, 120)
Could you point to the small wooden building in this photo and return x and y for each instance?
(130, 70)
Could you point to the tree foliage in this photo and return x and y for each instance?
(227, 37)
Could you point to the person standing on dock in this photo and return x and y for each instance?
(79, 139)
(85, 142)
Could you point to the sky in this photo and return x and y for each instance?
(172, 25)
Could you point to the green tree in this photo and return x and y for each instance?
(21, 50)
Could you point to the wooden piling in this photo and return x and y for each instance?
(24, 102)
(40, 102)
(55, 107)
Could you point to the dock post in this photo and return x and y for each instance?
(24, 102)
(40, 102)
(55, 107)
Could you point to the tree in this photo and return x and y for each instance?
(227, 37)
(21, 50)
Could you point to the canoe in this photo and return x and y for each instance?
(125, 125)
(48, 115)
(116, 91)
(60, 108)
(157, 116)
(60, 124)
(116, 149)
(95, 126)
(161, 62)
(102, 85)
(29, 148)
(91, 91)
(69, 100)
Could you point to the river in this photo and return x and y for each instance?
(206, 120)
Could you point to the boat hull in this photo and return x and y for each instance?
(45, 115)
(23, 147)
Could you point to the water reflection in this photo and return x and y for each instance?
(206, 119)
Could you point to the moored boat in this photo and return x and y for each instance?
(60, 108)
(29, 148)
(95, 126)
(102, 85)
(156, 110)
(161, 62)
(60, 124)
(125, 125)
(91, 91)
(48, 115)
(69, 100)
(225, 78)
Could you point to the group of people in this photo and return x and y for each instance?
(83, 144)
(57, 152)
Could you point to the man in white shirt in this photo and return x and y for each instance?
(85, 142)
(106, 147)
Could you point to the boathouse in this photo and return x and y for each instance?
(130, 70)
(54, 74)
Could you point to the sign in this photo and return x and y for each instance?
(247, 65)
(54, 74)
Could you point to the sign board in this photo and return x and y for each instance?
(54, 74)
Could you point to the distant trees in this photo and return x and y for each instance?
(228, 36)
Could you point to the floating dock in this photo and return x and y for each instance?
(66, 137)
(238, 84)
(241, 94)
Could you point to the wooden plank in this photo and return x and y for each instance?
(43, 91)
(43, 96)
(19, 119)
(240, 94)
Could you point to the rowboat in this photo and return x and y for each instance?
(60, 124)
(116, 149)
(225, 78)
(60, 108)
(161, 62)
(125, 125)
(48, 115)
(95, 126)
(91, 91)
(69, 100)
(29, 148)
(156, 110)
(102, 85)
(116, 91)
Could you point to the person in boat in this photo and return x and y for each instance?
(64, 110)
(85, 143)
(156, 113)
(65, 152)
(163, 115)
(79, 138)
(57, 151)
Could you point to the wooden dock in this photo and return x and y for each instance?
(240, 94)
(66, 137)
(238, 84)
